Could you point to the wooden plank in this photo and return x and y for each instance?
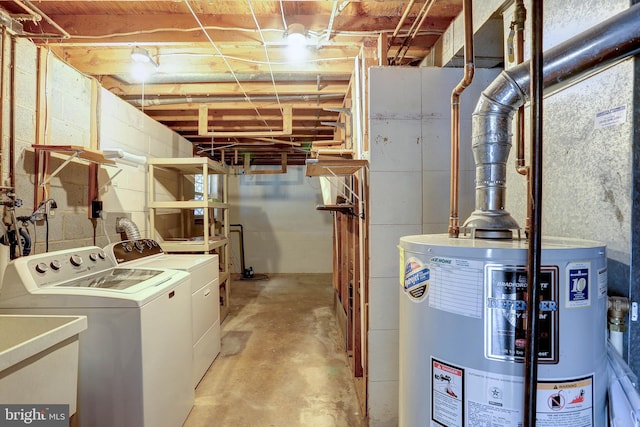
(84, 153)
(249, 171)
(287, 124)
(338, 167)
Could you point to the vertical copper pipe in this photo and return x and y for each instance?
(521, 167)
(534, 253)
(518, 25)
(12, 116)
(3, 91)
(454, 219)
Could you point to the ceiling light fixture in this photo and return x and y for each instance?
(143, 64)
(296, 34)
(139, 54)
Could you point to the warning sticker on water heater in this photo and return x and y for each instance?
(447, 388)
(565, 403)
(578, 284)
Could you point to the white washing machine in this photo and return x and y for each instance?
(135, 356)
(205, 299)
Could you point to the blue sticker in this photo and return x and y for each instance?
(578, 284)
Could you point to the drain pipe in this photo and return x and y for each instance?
(610, 41)
(469, 69)
(534, 253)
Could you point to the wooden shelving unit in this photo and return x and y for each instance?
(184, 220)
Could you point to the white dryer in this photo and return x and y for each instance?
(135, 358)
(205, 301)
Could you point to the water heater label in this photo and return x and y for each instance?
(416, 279)
(447, 388)
(578, 284)
(506, 313)
(565, 403)
(493, 399)
(456, 286)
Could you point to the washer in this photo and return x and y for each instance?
(205, 292)
(135, 358)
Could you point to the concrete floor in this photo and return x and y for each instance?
(281, 363)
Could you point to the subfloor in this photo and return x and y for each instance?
(281, 363)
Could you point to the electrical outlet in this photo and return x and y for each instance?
(96, 208)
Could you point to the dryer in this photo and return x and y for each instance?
(135, 358)
(205, 293)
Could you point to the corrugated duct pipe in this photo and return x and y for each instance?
(610, 41)
(129, 228)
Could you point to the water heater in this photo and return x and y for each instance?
(463, 308)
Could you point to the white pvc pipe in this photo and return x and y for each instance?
(615, 338)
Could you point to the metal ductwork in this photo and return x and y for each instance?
(129, 228)
(580, 57)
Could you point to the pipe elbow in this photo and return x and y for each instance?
(618, 307)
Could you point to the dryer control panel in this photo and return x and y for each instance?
(131, 250)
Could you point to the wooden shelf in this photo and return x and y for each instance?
(189, 166)
(185, 245)
(334, 167)
(188, 204)
(84, 153)
(215, 210)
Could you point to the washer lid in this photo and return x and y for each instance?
(115, 279)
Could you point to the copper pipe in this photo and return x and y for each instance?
(33, 10)
(3, 90)
(401, 23)
(454, 220)
(521, 167)
(413, 31)
(12, 115)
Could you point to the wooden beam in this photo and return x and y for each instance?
(249, 171)
(224, 88)
(203, 125)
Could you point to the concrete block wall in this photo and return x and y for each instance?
(283, 233)
(410, 120)
(123, 188)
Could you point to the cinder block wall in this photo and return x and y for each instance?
(123, 189)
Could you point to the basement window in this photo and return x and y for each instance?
(198, 189)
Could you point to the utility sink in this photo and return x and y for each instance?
(39, 359)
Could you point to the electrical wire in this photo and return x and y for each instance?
(103, 218)
(284, 20)
(266, 54)
(247, 30)
(213, 44)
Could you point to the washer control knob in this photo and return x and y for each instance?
(55, 265)
(127, 247)
(101, 255)
(139, 246)
(76, 260)
(42, 267)
(93, 256)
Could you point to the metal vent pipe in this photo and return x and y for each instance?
(580, 57)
